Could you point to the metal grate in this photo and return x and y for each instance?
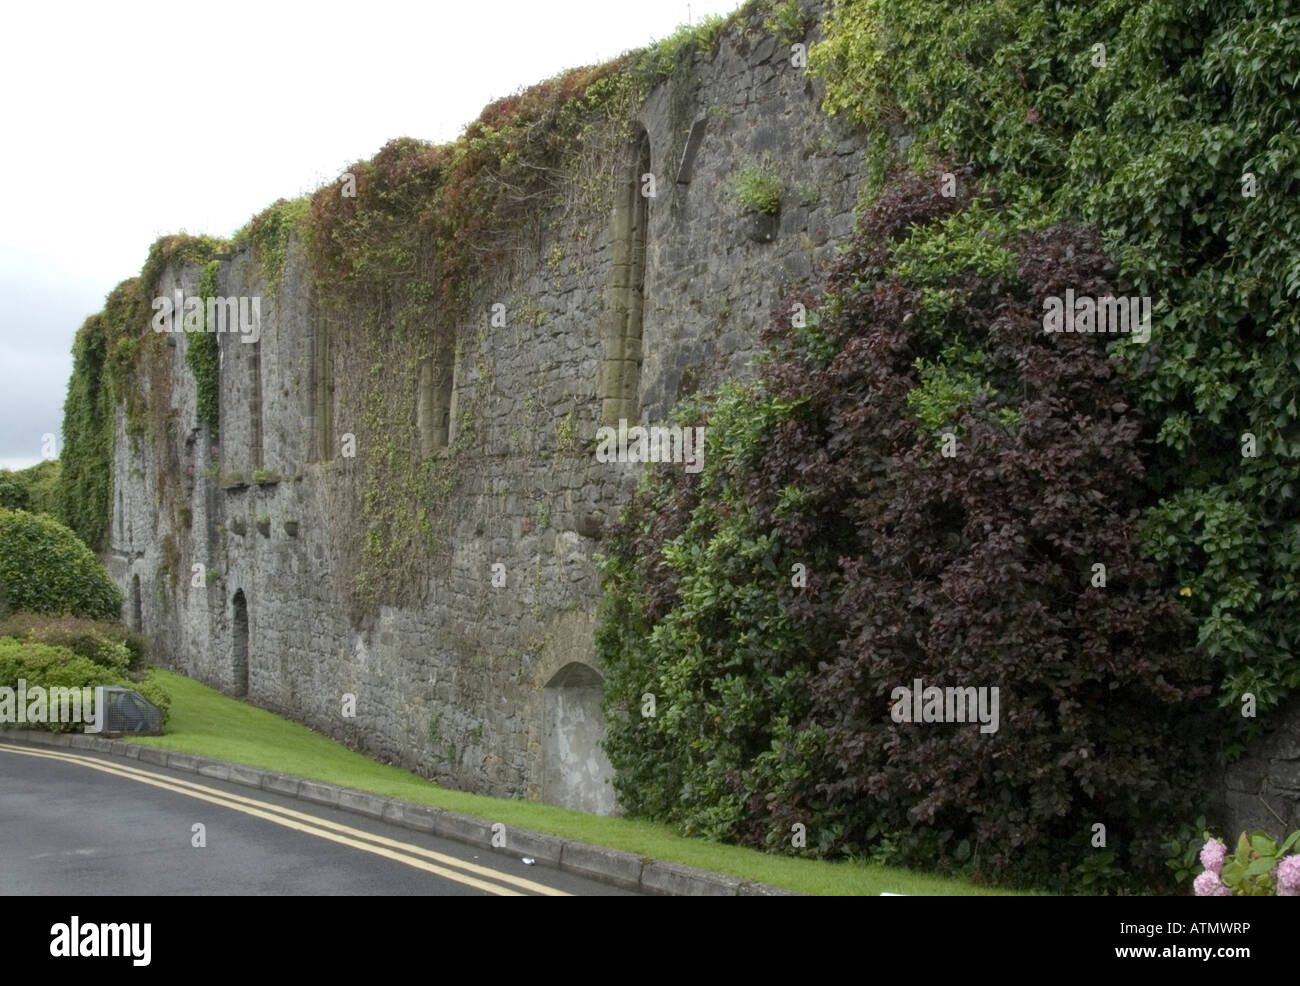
(130, 712)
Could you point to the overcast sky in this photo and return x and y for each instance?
(121, 122)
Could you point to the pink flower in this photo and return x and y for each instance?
(1212, 854)
(1288, 877)
(1208, 884)
(1032, 116)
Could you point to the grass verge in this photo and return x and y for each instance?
(206, 723)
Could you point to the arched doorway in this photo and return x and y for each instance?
(576, 773)
(239, 653)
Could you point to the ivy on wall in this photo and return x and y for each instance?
(113, 353)
(1169, 126)
(203, 356)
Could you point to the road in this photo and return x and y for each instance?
(73, 823)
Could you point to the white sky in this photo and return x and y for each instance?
(122, 121)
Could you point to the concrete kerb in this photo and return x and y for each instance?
(600, 863)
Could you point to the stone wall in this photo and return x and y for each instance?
(1261, 790)
(488, 688)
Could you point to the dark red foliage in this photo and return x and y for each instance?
(969, 571)
(977, 570)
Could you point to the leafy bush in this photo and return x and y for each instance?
(13, 492)
(1170, 127)
(39, 483)
(102, 641)
(1182, 848)
(30, 489)
(112, 351)
(155, 693)
(45, 568)
(58, 667)
(786, 22)
(976, 570)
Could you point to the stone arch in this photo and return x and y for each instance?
(576, 773)
(239, 644)
(621, 324)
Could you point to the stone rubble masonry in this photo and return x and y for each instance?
(456, 688)
(599, 863)
(1261, 790)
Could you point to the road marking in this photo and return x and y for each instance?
(516, 881)
(322, 828)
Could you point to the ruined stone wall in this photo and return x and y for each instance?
(1261, 790)
(486, 688)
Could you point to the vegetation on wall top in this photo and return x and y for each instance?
(113, 353)
(397, 249)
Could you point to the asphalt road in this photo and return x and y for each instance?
(72, 823)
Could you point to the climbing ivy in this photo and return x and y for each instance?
(203, 355)
(111, 354)
(1170, 126)
(269, 233)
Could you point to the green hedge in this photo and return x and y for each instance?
(46, 568)
(58, 667)
(102, 641)
(31, 489)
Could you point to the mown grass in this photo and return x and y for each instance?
(206, 723)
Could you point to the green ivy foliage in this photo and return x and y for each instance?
(45, 568)
(203, 355)
(111, 351)
(269, 232)
(1150, 120)
(691, 614)
(829, 552)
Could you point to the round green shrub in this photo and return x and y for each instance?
(45, 568)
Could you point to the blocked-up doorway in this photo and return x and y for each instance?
(239, 645)
(621, 324)
(137, 607)
(576, 773)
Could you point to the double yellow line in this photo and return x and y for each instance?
(448, 867)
